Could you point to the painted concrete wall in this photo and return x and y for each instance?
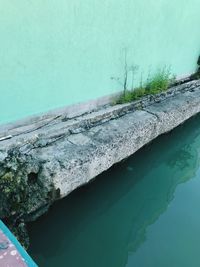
(59, 52)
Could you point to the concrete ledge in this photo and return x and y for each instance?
(53, 156)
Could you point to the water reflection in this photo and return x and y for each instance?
(101, 224)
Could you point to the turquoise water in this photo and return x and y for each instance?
(143, 212)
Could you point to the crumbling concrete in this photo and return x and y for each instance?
(47, 157)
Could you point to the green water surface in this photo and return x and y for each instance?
(144, 212)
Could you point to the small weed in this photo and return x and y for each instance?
(158, 83)
(138, 92)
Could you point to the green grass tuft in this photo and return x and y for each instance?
(156, 84)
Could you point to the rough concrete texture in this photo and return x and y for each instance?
(48, 158)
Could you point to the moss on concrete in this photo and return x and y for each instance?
(22, 192)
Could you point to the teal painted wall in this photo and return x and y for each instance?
(59, 52)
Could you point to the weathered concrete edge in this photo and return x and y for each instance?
(143, 127)
(57, 161)
(77, 110)
(65, 124)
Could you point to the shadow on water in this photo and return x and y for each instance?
(101, 224)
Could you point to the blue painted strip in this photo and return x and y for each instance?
(15, 242)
